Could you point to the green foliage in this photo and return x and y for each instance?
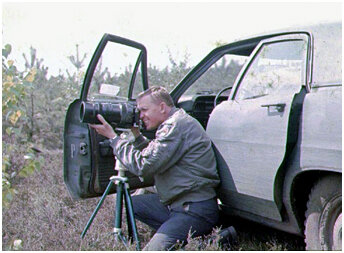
(47, 101)
(13, 91)
(7, 191)
(76, 61)
(220, 43)
(18, 159)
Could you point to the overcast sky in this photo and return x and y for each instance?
(55, 28)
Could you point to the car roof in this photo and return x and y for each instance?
(327, 50)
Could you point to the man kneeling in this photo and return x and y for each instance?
(183, 164)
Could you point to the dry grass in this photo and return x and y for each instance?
(44, 217)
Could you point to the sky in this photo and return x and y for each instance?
(193, 28)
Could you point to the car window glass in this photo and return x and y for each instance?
(220, 75)
(277, 67)
(114, 72)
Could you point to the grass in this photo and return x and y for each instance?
(43, 217)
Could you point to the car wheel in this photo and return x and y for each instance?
(323, 225)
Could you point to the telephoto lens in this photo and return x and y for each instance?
(110, 112)
(123, 115)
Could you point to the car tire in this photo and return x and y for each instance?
(323, 224)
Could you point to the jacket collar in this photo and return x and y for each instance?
(173, 110)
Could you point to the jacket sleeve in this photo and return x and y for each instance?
(159, 155)
(140, 142)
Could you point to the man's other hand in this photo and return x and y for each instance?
(104, 129)
(136, 131)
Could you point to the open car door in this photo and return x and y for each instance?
(117, 73)
(251, 130)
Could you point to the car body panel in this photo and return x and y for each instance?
(321, 139)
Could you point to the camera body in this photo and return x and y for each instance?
(124, 114)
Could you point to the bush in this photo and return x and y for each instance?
(19, 160)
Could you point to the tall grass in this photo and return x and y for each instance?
(42, 216)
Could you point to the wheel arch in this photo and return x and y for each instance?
(301, 188)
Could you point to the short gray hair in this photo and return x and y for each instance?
(158, 94)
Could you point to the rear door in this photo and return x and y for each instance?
(252, 130)
(116, 73)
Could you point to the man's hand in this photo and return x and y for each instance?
(104, 129)
(136, 131)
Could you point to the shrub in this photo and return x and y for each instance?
(19, 160)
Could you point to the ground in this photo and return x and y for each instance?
(43, 216)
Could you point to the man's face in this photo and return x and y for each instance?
(151, 114)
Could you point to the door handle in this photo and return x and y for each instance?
(279, 107)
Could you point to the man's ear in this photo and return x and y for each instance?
(163, 107)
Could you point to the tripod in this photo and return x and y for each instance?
(122, 193)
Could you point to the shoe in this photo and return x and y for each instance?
(228, 237)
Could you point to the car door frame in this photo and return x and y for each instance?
(82, 146)
(98, 53)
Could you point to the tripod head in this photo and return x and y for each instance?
(120, 167)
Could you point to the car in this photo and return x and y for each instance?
(272, 106)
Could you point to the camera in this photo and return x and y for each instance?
(123, 114)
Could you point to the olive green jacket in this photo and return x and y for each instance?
(180, 158)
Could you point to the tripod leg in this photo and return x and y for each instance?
(96, 210)
(131, 216)
(118, 214)
(129, 225)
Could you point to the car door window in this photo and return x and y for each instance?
(114, 72)
(277, 67)
(220, 75)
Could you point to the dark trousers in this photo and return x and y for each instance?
(174, 225)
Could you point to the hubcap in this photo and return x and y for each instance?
(337, 234)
